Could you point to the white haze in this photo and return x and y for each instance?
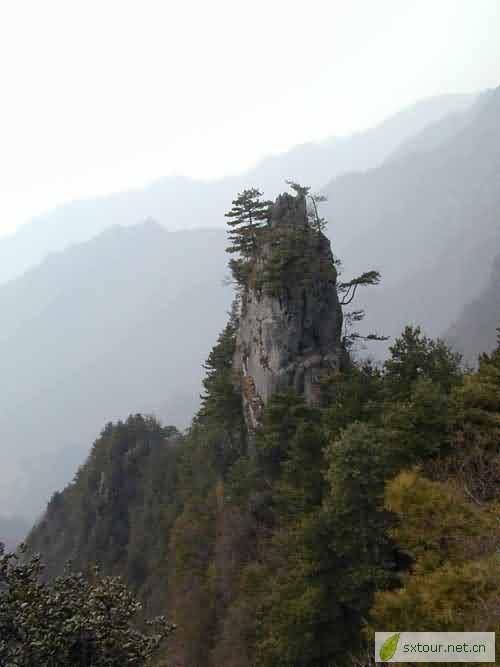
(103, 96)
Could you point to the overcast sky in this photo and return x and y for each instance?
(103, 95)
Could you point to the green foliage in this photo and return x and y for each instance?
(300, 618)
(346, 291)
(118, 510)
(73, 621)
(275, 257)
(313, 200)
(352, 394)
(247, 220)
(288, 261)
(301, 484)
(358, 466)
(477, 401)
(454, 580)
(460, 597)
(244, 478)
(191, 595)
(246, 217)
(221, 410)
(447, 519)
(291, 609)
(284, 414)
(437, 523)
(300, 190)
(295, 258)
(240, 270)
(413, 356)
(416, 429)
(475, 423)
(379, 505)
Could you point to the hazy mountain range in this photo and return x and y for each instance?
(183, 203)
(117, 325)
(122, 321)
(428, 219)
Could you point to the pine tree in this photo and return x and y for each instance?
(313, 200)
(221, 407)
(245, 219)
(414, 355)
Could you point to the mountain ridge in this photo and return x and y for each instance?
(179, 202)
(427, 221)
(63, 373)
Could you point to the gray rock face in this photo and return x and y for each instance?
(291, 320)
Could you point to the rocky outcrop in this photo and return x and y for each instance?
(289, 334)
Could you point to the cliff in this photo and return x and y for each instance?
(290, 327)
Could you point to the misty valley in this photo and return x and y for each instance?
(251, 421)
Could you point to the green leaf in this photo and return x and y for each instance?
(389, 647)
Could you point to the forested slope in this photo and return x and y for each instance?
(286, 539)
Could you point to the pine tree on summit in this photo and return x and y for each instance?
(246, 217)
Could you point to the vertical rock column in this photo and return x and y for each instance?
(291, 320)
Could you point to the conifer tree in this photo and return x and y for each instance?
(221, 407)
(414, 355)
(313, 200)
(245, 219)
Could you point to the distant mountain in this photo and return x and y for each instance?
(474, 332)
(13, 529)
(117, 325)
(183, 203)
(427, 219)
(122, 323)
